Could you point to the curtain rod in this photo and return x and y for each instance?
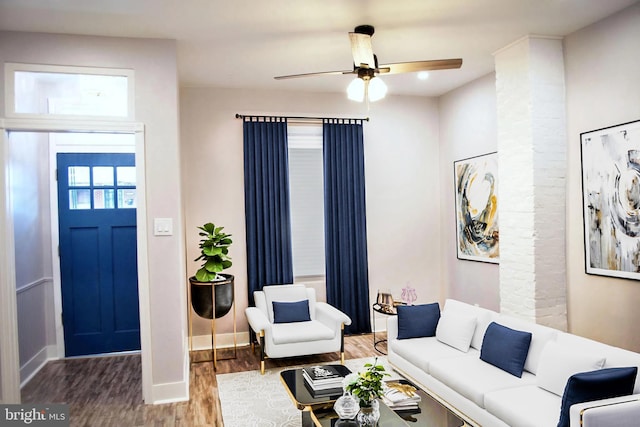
(242, 116)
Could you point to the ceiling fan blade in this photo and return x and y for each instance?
(322, 73)
(361, 50)
(410, 67)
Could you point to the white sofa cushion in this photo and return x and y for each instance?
(284, 333)
(540, 336)
(456, 329)
(616, 357)
(558, 363)
(483, 318)
(422, 351)
(473, 378)
(526, 406)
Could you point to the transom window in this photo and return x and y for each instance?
(44, 90)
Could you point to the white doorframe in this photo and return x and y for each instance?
(9, 357)
(9, 366)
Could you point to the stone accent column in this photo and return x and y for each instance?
(532, 167)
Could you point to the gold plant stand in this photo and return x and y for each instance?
(201, 308)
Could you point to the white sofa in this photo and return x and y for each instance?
(485, 395)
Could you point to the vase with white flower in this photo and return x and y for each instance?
(366, 386)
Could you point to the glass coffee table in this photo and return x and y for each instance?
(301, 396)
(317, 411)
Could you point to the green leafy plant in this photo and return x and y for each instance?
(366, 385)
(214, 247)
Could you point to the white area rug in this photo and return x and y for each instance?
(251, 399)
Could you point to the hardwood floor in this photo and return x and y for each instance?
(107, 391)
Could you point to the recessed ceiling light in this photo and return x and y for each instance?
(423, 75)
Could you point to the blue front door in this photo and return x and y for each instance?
(98, 262)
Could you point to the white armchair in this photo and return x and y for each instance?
(322, 333)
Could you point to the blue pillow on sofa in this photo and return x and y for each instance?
(505, 348)
(596, 385)
(415, 321)
(289, 312)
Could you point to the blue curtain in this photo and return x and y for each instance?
(266, 190)
(347, 274)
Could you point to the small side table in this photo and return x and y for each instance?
(387, 311)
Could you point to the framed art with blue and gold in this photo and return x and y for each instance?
(476, 194)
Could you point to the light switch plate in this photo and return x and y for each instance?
(163, 227)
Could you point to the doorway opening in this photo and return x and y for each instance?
(31, 163)
(73, 206)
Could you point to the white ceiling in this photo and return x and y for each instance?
(245, 43)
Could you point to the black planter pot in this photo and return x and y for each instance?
(201, 296)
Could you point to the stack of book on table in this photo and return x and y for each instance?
(322, 380)
(401, 396)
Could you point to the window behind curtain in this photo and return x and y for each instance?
(306, 199)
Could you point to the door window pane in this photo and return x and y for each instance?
(79, 176)
(127, 198)
(103, 176)
(79, 199)
(103, 199)
(126, 175)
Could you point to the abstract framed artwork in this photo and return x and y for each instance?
(476, 191)
(611, 200)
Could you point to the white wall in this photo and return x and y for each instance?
(402, 181)
(29, 177)
(156, 92)
(602, 64)
(468, 128)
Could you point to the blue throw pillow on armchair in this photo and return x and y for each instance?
(596, 385)
(505, 348)
(415, 321)
(290, 312)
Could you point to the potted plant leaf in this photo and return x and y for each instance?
(214, 254)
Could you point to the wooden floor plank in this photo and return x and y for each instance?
(107, 391)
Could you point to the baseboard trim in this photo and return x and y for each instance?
(203, 342)
(170, 392)
(36, 363)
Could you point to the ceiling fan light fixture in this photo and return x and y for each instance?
(367, 86)
(355, 90)
(377, 89)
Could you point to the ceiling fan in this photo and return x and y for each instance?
(366, 67)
